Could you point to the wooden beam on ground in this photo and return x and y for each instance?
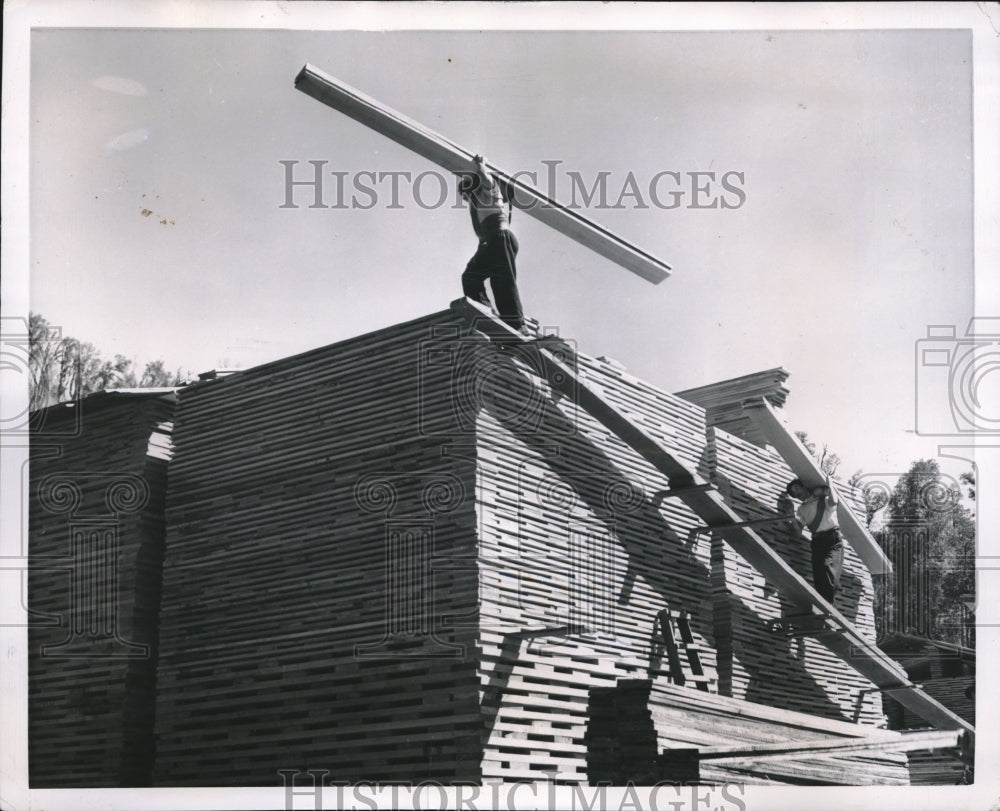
(764, 417)
(838, 747)
(454, 158)
(843, 639)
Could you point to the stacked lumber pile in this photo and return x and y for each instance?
(621, 739)
(686, 719)
(96, 545)
(320, 593)
(722, 401)
(401, 557)
(577, 546)
(937, 768)
(791, 672)
(956, 693)
(565, 518)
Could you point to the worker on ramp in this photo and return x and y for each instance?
(818, 512)
(497, 252)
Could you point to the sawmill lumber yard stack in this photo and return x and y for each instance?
(546, 540)
(319, 592)
(838, 634)
(948, 673)
(740, 741)
(754, 656)
(941, 766)
(418, 554)
(723, 401)
(571, 540)
(96, 489)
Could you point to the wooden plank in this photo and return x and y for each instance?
(685, 719)
(805, 467)
(454, 158)
(847, 642)
(904, 742)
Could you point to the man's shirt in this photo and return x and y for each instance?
(488, 209)
(806, 513)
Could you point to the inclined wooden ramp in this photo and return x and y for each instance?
(837, 633)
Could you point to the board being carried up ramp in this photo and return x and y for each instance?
(454, 158)
(836, 632)
(805, 467)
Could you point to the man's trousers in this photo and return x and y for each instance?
(495, 260)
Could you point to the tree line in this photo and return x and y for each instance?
(929, 534)
(64, 368)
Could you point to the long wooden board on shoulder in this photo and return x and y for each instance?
(454, 158)
(806, 468)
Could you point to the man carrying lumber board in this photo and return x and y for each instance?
(495, 257)
(818, 512)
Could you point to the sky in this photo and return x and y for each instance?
(162, 225)
(157, 189)
(143, 206)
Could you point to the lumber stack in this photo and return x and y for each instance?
(320, 593)
(404, 557)
(938, 768)
(621, 739)
(686, 719)
(648, 561)
(956, 693)
(576, 545)
(96, 543)
(722, 401)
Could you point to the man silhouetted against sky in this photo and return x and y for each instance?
(497, 252)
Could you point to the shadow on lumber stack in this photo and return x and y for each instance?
(404, 557)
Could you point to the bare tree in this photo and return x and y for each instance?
(828, 462)
(63, 368)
